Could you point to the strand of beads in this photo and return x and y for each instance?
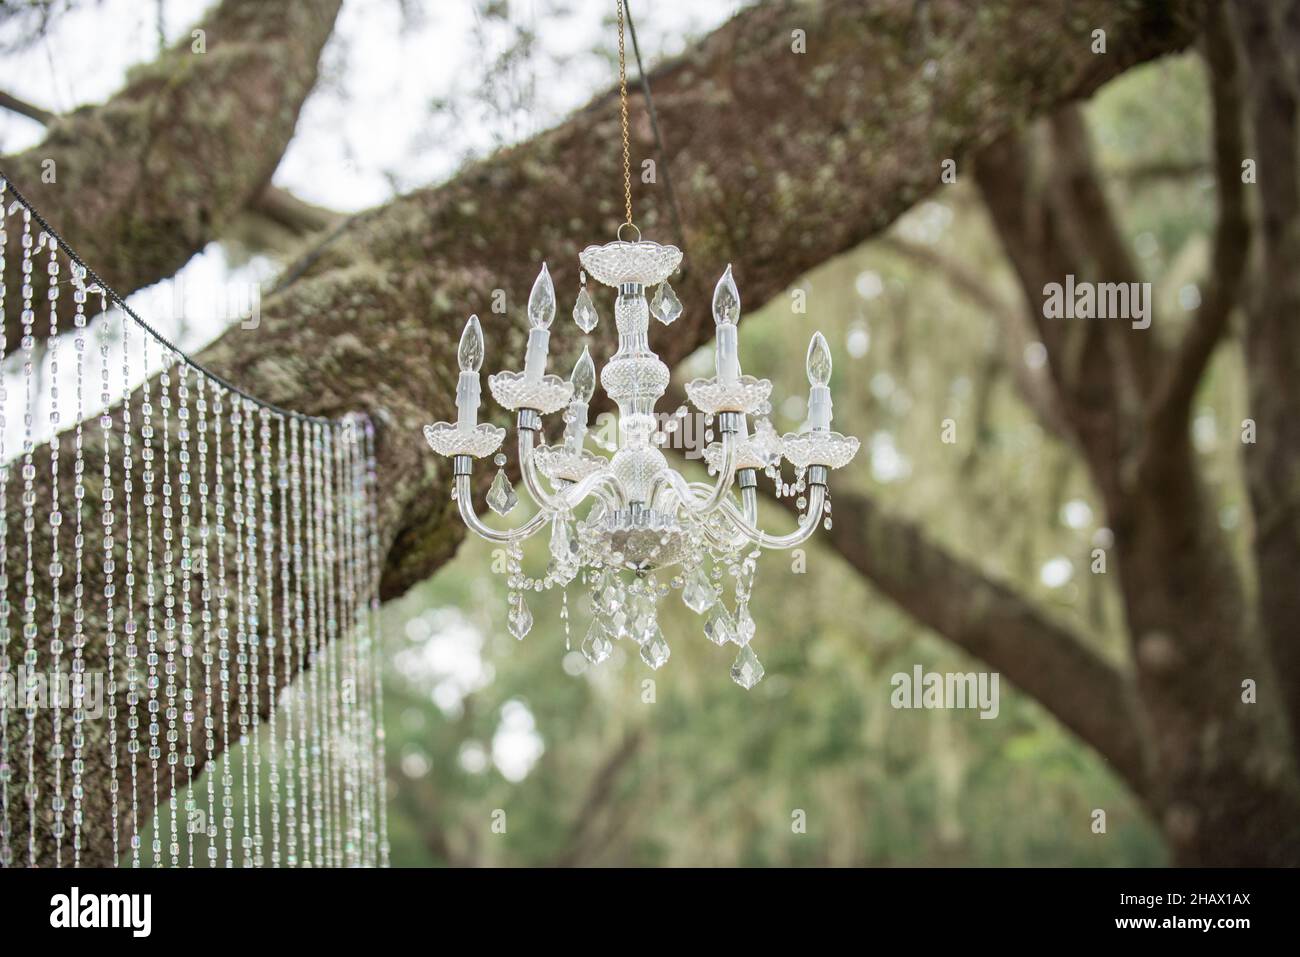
(205, 596)
(187, 609)
(79, 555)
(131, 624)
(169, 610)
(29, 527)
(269, 634)
(241, 621)
(351, 751)
(313, 631)
(109, 570)
(289, 711)
(326, 595)
(223, 632)
(300, 692)
(253, 789)
(56, 562)
(150, 592)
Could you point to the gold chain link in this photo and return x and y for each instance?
(622, 102)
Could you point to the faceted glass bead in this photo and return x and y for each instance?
(584, 311)
(747, 670)
(520, 617)
(718, 626)
(607, 595)
(665, 306)
(654, 650)
(564, 542)
(596, 647)
(501, 497)
(697, 592)
(745, 626)
(642, 623)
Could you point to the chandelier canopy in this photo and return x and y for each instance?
(630, 526)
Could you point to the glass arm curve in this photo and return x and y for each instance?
(816, 501)
(573, 495)
(465, 502)
(709, 497)
(528, 469)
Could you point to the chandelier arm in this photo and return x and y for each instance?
(816, 501)
(574, 494)
(465, 503)
(749, 500)
(528, 468)
(717, 493)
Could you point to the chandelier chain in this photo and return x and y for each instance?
(622, 103)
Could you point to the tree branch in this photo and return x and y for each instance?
(142, 182)
(14, 105)
(1038, 391)
(1173, 396)
(1088, 219)
(990, 621)
(1029, 224)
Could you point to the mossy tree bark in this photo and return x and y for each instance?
(142, 182)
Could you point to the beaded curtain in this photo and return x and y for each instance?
(188, 597)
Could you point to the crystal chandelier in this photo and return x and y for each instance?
(629, 527)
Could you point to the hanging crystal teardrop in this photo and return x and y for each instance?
(745, 626)
(718, 626)
(596, 647)
(520, 617)
(642, 624)
(584, 311)
(665, 305)
(697, 592)
(501, 497)
(607, 595)
(654, 650)
(564, 541)
(747, 670)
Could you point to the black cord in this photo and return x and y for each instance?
(654, 126)
(112, 294)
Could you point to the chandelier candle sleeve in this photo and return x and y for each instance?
(541, 313)
(468, 389)
(584, 385)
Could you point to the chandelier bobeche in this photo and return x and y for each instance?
(630, 527)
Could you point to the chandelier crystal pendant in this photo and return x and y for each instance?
(629, 527)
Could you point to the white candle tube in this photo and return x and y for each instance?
(819, 407)
(535, 359)
(468, 391)
(575, 431)
(727, 355)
